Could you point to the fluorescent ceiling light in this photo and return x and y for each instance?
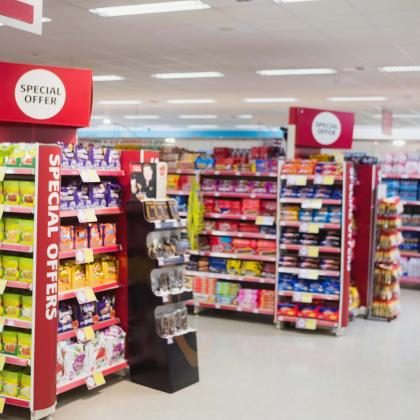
(97, 117)
(202, 126)
(190, 101)
(250, 127)
(141, 117)
(121, 102)
(357, 99)
(269, 100)
(291, 1)
(400, 116)
(170, 140)
(198, 117)
(399, 69)
(295, 72)
(191, 75)
(107, 78)
(106, 121)
(399, 143)
(245, 117)
(141, 9)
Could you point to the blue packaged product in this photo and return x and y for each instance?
(217, 265)
(204, 162)
(182, 201)
(321, 216)
(331, 288)
(316, 287)
(301, 286)
(286, 285)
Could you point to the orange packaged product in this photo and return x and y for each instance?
(95, 236)
(78, 277)
(66, 238)
(80, 237)
(109, 233)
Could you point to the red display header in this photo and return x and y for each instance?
(45, 95)
(322, 129)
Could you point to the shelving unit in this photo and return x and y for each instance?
(302, 219)
(251, 229)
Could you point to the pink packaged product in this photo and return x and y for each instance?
(95, 354)
(209, 184)
(258, 187)
(114, 344)
(271, 187)
(73, 361)
(225, 185)
(241, 186)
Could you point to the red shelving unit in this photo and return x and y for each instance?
(71, 294)
(234, 308)
(103, 211)
(231, 277)
(101, 250)
(96, 327)
(100, 172)
(250, 257)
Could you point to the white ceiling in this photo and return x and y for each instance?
(236, 38)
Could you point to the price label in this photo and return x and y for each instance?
(300, 180)
(306, 324)
(312, 204)
(2, 323)
(89, 175)
(85, 295)
(309, 228)
(95, 380)
(264, 220)
(84, 256)
(324, 180)
(302, 297)
(2, 403)
(3, 284)
(309, 251)
(308, 274)
(85, 334)
(2, 173)
(2, 361)
(86, 216)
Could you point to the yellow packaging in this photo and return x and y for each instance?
(10, 383)
(1, 230)
(26, 310)
(110, 269)
(11, 231)
(27, 231)
(65, 273)
(78, 277)
(9, 342)
(11, 192)
(26, 269)
(12, 305)
(25, 385)
(1, 193)
(27, 193)
(24, 347)
(173, 182)
(10, 267)
(94, 274)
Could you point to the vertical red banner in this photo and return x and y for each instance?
(45, 289)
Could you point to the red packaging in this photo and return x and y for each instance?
(228, 206)
(209, 205)
(221, 244)
(249, 228)
(268, 208)
(269, 270)
(224, 163)
(266, 247)
(222, 152)
(287, 309)
(244, 246)
(227, 226)
(251, 206)
(308, 311)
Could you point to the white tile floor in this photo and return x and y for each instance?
(252, 371)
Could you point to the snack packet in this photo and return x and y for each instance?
(27, 193)
(10, 265)
(24, 348)
(26, 269)
(12, 304)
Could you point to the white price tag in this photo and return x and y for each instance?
(312, 204)
(306, 324)
(89, 175)
(324, 180)
(299, 180)
(85, 295)
(308, 274)
(264, 220)
(302, 297)
(84, 256)
(86, 216)
(95, 380)
(309, 227)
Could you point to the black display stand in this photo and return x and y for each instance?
(167, 364)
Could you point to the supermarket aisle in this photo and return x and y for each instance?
(249, 372)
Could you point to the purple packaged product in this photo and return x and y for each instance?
(258, 187)
(85, 314)
(271, 187)
(113, 194)
(65, 317)
(97, 195)
(82, 197)
(241, 186)
(97, 156)
(262, 165)
(225, 185)
(209, 184)
(81, 152)
(273, 165)
(105, 307)
(114, 343)
(67, 155)
(112, 158)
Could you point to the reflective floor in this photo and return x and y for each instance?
(252, 371)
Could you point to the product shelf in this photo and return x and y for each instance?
(97, 289)
(410, 281)
(410, 254)
(332, 226)
(19, 171)
(102, 211)
(235, 308)
(18, 209)
(314, 296)
(250, 257)
(100, 172)
(410, 203)
(15, 360)
(98, 326)
(249, 235)
(170, 338)
(27, 249)
(239, 195)
(183, 171)
(109, 370)
(229, 216)
(295, 270)
(322, 249)
(323, 201)
(319, 322)
(240, 173)
(410, 228)
(178, 192)
(17, 402)
(18, 323)
(170, 224)
(401, 176)
(176, 259)
(222, 276)
(100, 250)
(337, 178)
(19, 284)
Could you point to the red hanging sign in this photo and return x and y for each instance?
(322, 129)
(25, 15)
(44, 95)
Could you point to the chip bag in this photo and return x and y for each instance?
(12, 304)
(10, 267)
(27, 231)
(27, 193)
(24, 345)
(26, 269)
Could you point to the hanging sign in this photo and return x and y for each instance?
(25, 15)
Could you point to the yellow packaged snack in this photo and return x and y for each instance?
(10, 267)
(94, 274)
(1, 306)
(10, 383)
(27, 193)
(26, 309)
(65, 277)
(26, 269)
(11, 231)
(78, 277)
(9, 341)
(27, 231)
(172, 183)
(24, 347)
(1, 230)
(25, 385)
(11, 193)
(12, 304)
(110, 269)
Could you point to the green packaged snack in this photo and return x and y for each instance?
(11, 192)
(27, 193)
(29, 155)
(24, 345)
(27, 231)
(26, 269)
(26, 311)
(10, 383)
(25, 385)
(12, 303)
(9, 341)
(11, 231)
(10, 267)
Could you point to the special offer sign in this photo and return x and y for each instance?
(45, 95)
(322, 129)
